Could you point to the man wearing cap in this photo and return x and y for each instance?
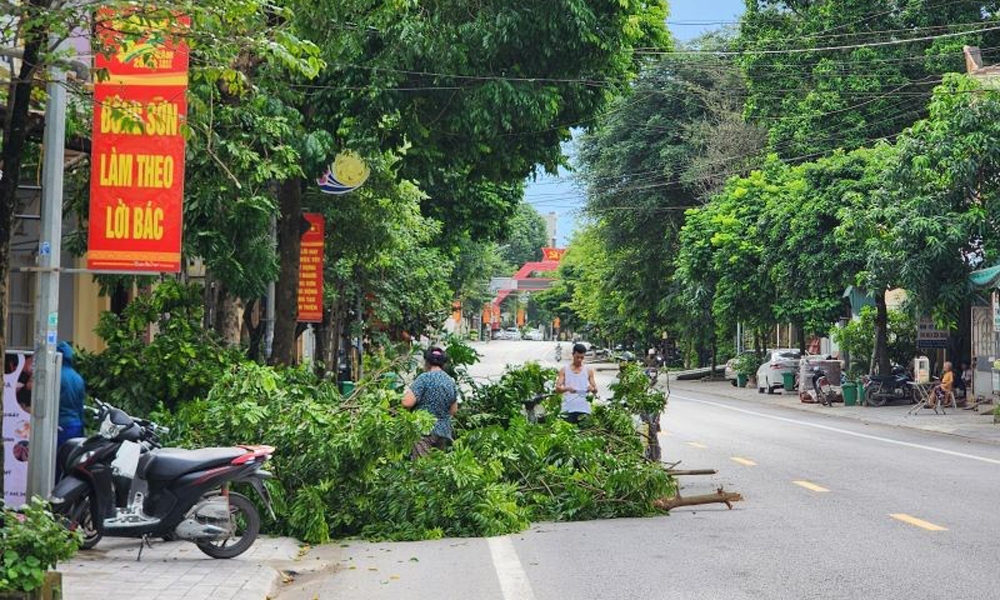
(433, 391)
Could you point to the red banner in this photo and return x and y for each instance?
(553, 254)
(137, 144)
(311, 271)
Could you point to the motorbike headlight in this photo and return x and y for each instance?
(109, 430)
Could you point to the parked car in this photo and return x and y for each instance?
(770, 375)
(535, 335)
(512, 333)
(731, 368)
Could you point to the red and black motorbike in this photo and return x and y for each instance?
(121, 483)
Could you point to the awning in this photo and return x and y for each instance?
(985, 278)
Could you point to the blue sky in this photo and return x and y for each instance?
(688, 19)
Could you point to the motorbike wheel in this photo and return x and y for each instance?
(874, 397)
(81, 517)
(245, 522)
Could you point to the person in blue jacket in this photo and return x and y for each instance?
(71, 392)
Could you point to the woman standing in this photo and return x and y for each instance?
(433, 391)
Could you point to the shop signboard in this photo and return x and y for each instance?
(929, 336)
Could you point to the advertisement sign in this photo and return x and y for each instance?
(17, 371)
(553, 254)
(137, 144)
(929, 336)
(311, 271)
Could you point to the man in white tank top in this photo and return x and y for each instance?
(574, 383)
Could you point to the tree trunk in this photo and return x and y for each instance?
(801, 331)
(882, 334)
(227, 322)
(291, 226)
(15, 132)
(254, 332)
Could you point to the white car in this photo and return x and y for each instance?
(770, 375)
(535, 335)
(512, 333)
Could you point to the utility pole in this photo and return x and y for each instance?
(46, 376)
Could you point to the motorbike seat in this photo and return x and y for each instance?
(170, 463)
(887, 378)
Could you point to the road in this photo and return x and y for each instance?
(833, 508)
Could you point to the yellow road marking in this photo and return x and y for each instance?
(917, 522)
(697, 445)
(746, 462)
(810, 486)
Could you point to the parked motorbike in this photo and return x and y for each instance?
(121, 483)
(880, 389)
(558, 352)
(822, 387)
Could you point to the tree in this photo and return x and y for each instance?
(814, 101)
(526, 237)
(667, 146)
(423, 80)
(809, 264)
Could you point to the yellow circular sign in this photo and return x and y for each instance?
(350, 170)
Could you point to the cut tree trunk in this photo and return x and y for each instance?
(719, 497)
(291, 226)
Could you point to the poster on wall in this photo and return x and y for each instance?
(137, 144)
(17, 370)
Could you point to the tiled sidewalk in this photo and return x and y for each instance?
(174, 571)
(957, 422)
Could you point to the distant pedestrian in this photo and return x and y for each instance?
(433, 391)
(575, 382)
(71, 394)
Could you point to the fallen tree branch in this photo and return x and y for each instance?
(719, 497)
(679, 472)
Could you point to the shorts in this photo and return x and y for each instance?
(427, 443)
(575, 417)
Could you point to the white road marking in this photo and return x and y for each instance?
(866, 436)
(513, 580)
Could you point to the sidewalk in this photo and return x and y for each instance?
(962, 423)
(174, 571)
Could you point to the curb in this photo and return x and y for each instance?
(798, 408)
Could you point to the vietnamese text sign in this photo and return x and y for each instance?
(137, 145)
(311, 271)
(929, 336)
(16, 426)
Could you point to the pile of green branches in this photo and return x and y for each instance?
(343, 466)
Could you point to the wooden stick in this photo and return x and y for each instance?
(719, 497)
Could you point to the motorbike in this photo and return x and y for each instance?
(120, 482)
(880, 389)
(822, 387)
(558, 352)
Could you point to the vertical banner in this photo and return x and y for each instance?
(16, 427)
(311, 271)
(137, 144)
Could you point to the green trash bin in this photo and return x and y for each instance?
(788, 379)
(741, 380)
(850, 393)
(346, 388)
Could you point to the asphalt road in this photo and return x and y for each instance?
(833, 508)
